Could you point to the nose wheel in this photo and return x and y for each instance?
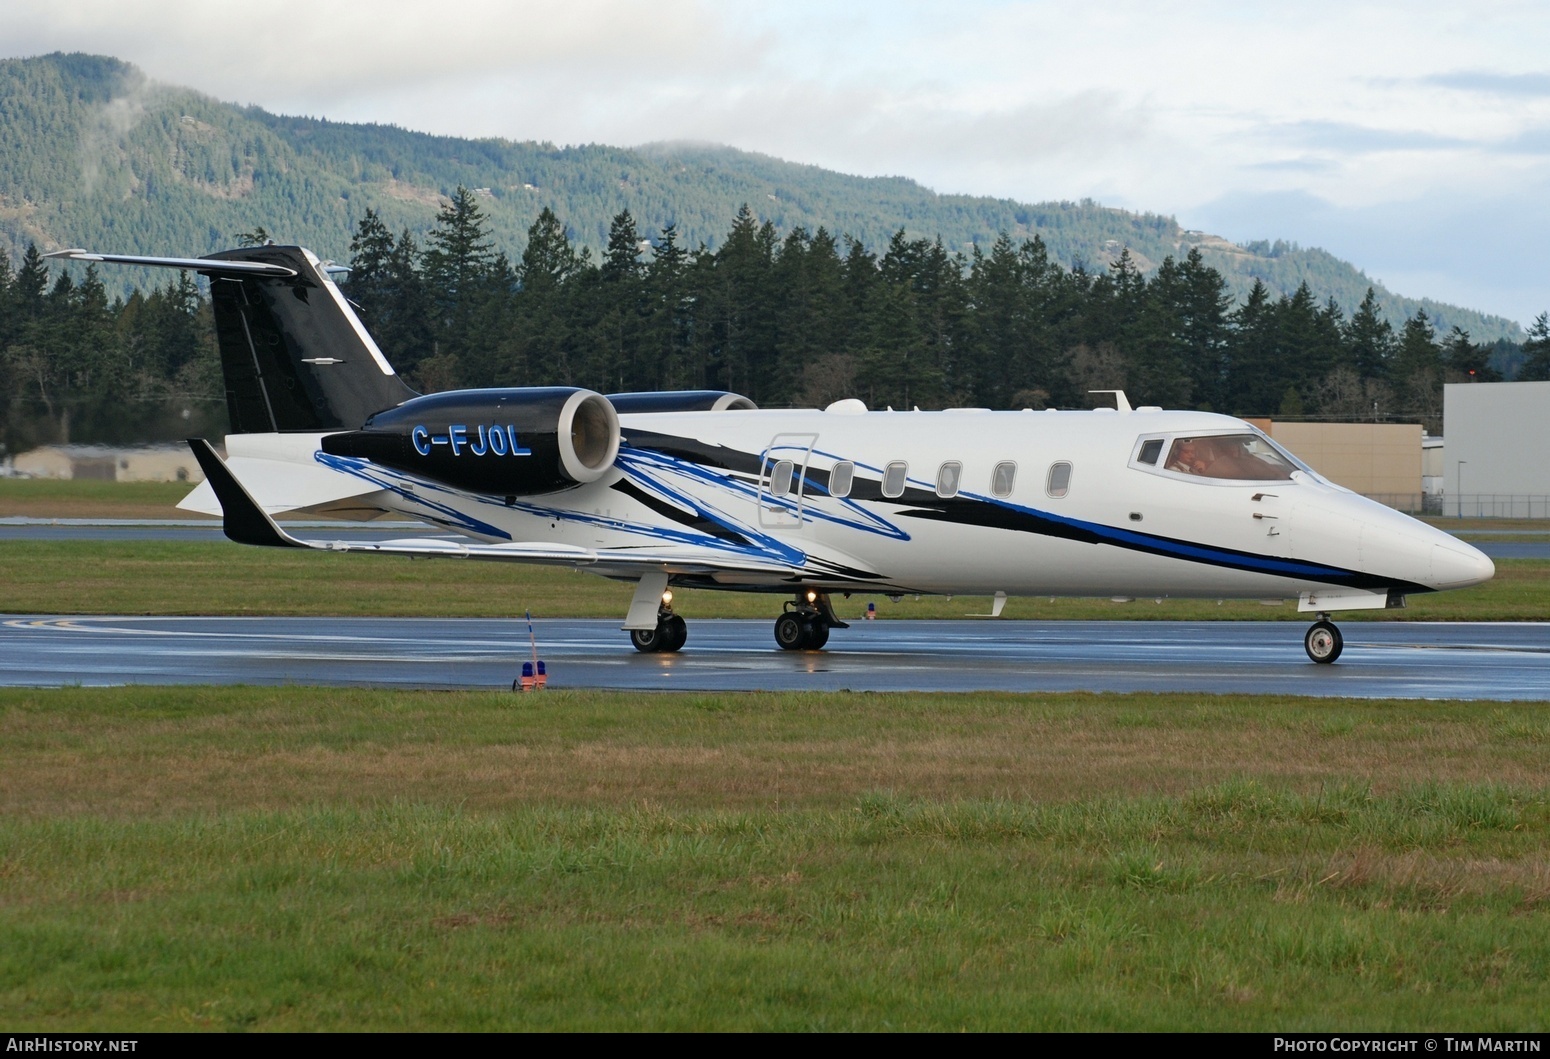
(671, 633)
(1323, 642)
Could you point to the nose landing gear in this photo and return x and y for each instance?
(1323, 641)
(671, 633)
(806, 623)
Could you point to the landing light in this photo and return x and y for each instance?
(812, 597)
(667, 598)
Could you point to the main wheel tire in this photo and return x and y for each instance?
(647, 641)
(1323, 642)
(675, 632)
(790, 633)
(817, 633)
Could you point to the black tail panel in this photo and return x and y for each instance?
(293, 354)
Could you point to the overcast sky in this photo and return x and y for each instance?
(1411, 138)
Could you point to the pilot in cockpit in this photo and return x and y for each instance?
(1191, 456)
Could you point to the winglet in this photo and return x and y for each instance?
(245, 522)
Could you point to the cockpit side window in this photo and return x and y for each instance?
(1239, 457)
(1150, 450)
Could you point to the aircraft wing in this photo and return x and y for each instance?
(246, 522)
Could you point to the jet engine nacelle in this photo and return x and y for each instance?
(681, 401)
(516, 442)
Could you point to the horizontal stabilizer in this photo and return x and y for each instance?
(280, 486)
(197, 264)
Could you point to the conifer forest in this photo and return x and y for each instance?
(788, 318)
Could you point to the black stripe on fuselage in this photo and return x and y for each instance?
(970, 512)
(692, 520)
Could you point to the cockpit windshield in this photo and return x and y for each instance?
(1242, 457)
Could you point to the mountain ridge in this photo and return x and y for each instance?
(94, 153)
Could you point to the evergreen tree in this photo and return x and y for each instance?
(1463, 361)
(1156, 341)
(1249, 383)
(1370, 339)
(1302, 356)
(542, 323)
(10, 318)
(1536, 350)
(739, 315)
(456, 267)
(369, 284)
(31, 284)
(621, 262)
(1417, 372)
(619, 307)
(1002, 342)
(1203, 308)
(669, 348)
(807, 287)
(459, 251)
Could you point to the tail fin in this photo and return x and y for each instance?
(293, 353)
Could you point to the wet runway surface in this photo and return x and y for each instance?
(1382, 659)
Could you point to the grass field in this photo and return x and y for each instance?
(83, 498)
(295, 858)
(274, 859)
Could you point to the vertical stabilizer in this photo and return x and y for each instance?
(293, 353)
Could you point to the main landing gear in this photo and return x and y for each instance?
(1323, 641)
(669, 635)
(806, 622)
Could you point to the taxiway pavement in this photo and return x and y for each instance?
(1382, 659)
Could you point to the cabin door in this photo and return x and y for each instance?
(783, 480)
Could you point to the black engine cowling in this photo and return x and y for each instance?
(516, 442)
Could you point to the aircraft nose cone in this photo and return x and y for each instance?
(1457, 565)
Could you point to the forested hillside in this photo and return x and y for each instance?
(92, 154)
(794, 318)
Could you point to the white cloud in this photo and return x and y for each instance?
(1172, 107)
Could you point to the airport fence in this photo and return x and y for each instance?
(1496, 505)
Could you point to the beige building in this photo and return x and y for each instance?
(1380, 460)
(141, 463)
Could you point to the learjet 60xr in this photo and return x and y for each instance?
(703, 489)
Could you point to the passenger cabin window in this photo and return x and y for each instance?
(893, 478)
(780, 478)
(1059, 480)
(841, 477)
(947, 478)
(1002, 479)
(1240, 457)
(1150, 450)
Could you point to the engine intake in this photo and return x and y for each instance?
(516, 442)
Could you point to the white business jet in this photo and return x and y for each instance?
(701, 488)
